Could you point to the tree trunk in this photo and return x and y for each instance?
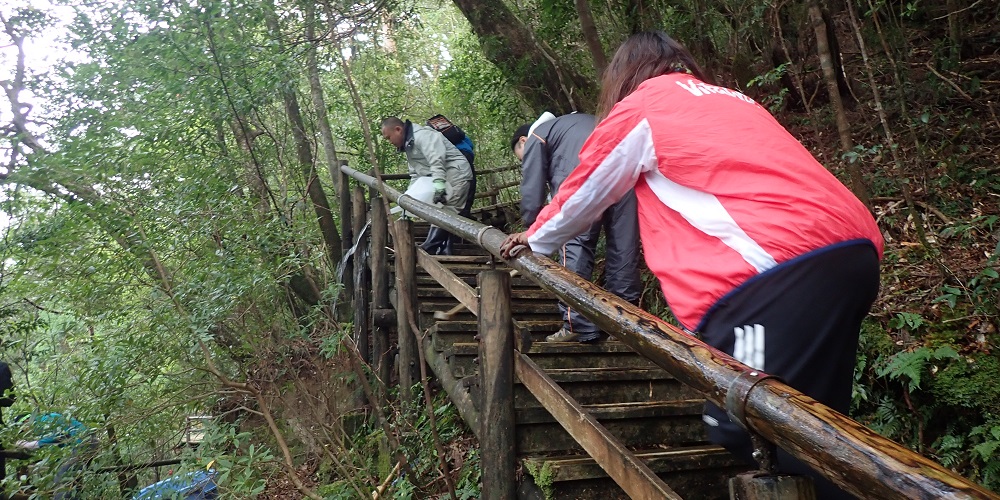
(904, 183)
(829, 74)
(640, 15)
(316, 88)
(321, 206)
(830, 77)
(358, 106)
(510, 45)
(701, 46)
(591, 36)
(955, 27)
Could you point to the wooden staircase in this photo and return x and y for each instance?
(648, 411)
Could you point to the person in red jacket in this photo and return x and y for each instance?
(758, 248)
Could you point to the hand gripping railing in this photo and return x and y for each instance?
(839, 448)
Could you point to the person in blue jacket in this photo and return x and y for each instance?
(57, 430)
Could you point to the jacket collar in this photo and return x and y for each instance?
(407, 136)
(546, 116)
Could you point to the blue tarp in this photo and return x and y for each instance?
(197, 485)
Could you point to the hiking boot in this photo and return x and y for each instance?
(563, 335)
(594, 338)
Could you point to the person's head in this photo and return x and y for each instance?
(518, 139)
(642, 56)
(394, 131)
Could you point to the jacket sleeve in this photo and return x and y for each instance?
(616, 154)
(534, 179)
(431, 146)
(7, 397)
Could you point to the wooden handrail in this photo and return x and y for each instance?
(839, 448)
(398, 177)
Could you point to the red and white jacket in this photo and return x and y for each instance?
(724, 191)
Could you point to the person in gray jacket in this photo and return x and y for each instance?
(430, 154)
(549, 149)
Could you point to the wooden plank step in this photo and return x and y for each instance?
(446, 333)
(631, 410)
(469, 326)
(555, 355)
(523, 294)
(643, 432)
(590, 386)
(519, 308)
(469, 259)
(463, 269)
(697, 472)
(645, 425)
(423, 280)
(607, 374)
(556, 348)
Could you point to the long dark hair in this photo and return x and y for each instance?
(641, 57)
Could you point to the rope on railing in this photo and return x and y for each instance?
(841, 449)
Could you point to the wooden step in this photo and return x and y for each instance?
(531, 310)
(697, 472)
(553, 355)
(607, 374)
(643, 425)
(446, 333)
(423, 280)
(590, 386)
(520, 308)
(517, 294)
(647, 409)
(464, 269)
(469, 260)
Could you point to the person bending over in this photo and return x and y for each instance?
(549, 149)
(430, 154)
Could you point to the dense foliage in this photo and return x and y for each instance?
(172, 248)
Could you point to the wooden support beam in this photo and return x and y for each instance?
(456, 389)
(631, 474)
(381, 322)
(383, 316)
(133, 467)
(346, 230)
(496, 369)
(362, 278)
(495, 189)
(754, 486)
(479, 173)
(452, 283)
(406, 299)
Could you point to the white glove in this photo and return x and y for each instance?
(28, 445)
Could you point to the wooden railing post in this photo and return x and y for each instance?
(752, 486)
(362, 279)
(406, 299)
(346, 232)
(496, 368)
(381, 311)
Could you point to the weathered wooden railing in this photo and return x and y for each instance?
(842, 450)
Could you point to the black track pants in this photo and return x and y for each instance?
(621, 265)
(800, 322)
